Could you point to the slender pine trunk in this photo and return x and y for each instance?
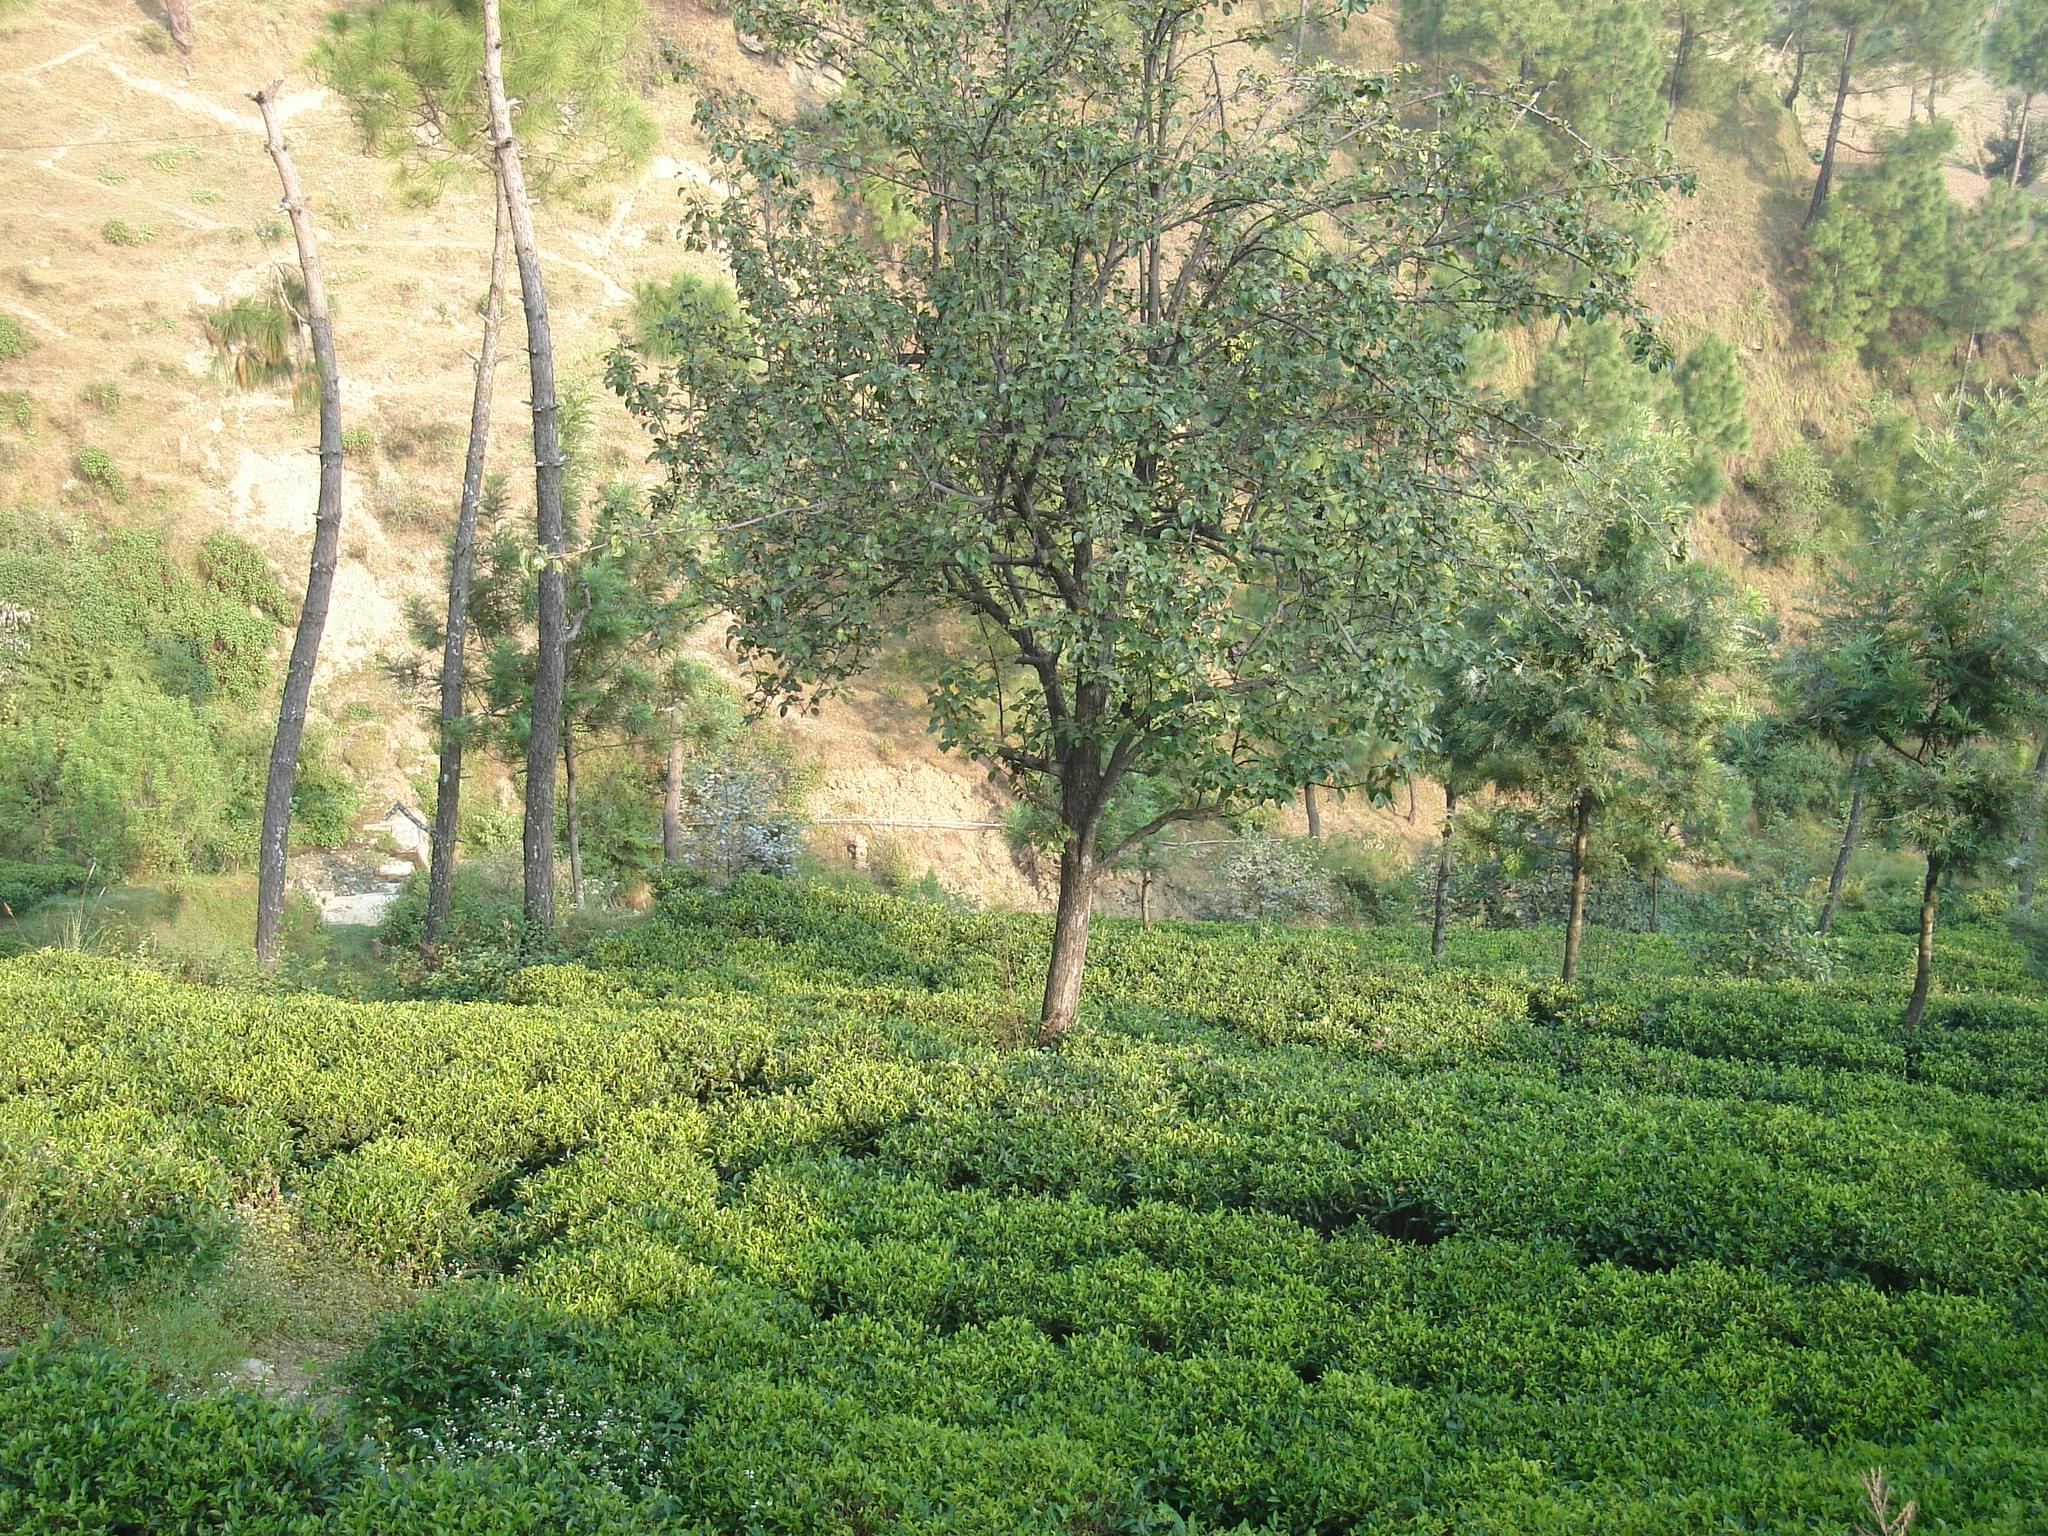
(1575, 922)
(569, 809)
(1440, 918)
(2019, 143)
(1069, 938)
(1678, 63)
(1656, 901)
(461, 565)
(1798, 74)
(1145, 897)
(2031, 837)
(672, 804)
(1923, 952)
(551, 663)
(1313, 811)
(1827, 155)
(1859, 770)
(275, 833)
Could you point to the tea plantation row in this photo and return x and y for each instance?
(760, 1221)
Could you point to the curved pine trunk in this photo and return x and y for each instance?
(1826, 177)
(298, 677)
(551, 662)
(461, 564)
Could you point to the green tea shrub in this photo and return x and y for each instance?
(1293, 1233)
(401, 1200)
(1764, 929)
(90, 1443)
(114, 1209)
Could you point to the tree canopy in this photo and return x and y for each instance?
(1167, 395)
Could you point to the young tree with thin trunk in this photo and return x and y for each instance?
(1866, 35)
(537, 837)
(2016, 56)
(1166, 398)
(455, 640)
(275, 833)
(1605, 646)
(1929, 646)
(1852, 828)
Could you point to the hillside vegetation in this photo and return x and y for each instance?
(1479, 567)
(759, 1220)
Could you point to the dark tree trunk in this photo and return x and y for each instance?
(1069, 938)
(1411, 800)
(1575, 921)
(551, 662)
(1313, 810)
(461, 563)
(1827, 153)
(672, 805)
(2030, 839)
(569, 809)
(1923, 952)
(1440, 919)
(1858, 772)
(1678, 62)
(1798, 74)
(298, 676)
(2019, 140)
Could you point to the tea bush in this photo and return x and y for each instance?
(754, 1219)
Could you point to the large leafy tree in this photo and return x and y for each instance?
(1166, 394)
(1598, 701)
(1930, 645)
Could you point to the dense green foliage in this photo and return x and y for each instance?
(766, 1226)
(131, 700)
(1895, 264)
(410, 74)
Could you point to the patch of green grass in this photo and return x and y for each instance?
(119, 232)
(15, 340)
